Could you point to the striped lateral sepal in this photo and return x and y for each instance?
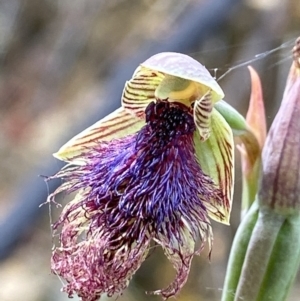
(216, 157)
(118, 124)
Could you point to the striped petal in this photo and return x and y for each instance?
(202, 111)
(216, 156)
(118, 124)
(139, 91)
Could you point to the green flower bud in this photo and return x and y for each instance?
(280, 187)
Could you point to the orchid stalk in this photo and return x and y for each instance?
(265, 255)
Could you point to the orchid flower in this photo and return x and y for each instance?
(154, 170)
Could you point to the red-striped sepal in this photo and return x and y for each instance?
(216, 158)
(118, 124)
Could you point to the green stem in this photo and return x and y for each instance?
(283, 263)
(264, 258)
(238, 252)
(258, 253)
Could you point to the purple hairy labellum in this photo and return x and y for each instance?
(154, 170)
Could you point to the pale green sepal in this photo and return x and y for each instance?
(183, 66)
(216, 158)
(118, 124)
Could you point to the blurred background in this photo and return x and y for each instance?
(63, 64)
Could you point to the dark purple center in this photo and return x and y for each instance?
(169, 121)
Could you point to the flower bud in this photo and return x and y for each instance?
(280, 187)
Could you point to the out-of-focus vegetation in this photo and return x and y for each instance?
(59, 63)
